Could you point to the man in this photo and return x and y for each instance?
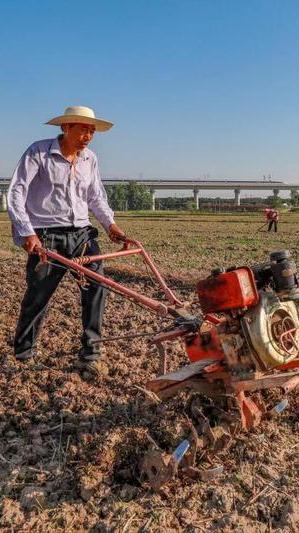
(54, 185)
(272, 217)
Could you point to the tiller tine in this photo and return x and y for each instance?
(158, 468)
(251, 413)
(217, 438)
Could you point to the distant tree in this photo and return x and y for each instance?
(169, 203)
(176, 204)
(252, 200)
(274, 201)
(190, 205)
(138, 196)
(294, 198)
(133, 196)
(117, 196)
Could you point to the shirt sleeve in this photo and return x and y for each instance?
(26, 170)
(97, 198)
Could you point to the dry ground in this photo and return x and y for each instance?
(70, 448)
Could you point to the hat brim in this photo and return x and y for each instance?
(98, 123)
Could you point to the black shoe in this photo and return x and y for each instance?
(25, 356)
(89, 354)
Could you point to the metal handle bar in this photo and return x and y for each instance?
(77, 265)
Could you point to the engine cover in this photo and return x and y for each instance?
(235, 289)
(271, 329)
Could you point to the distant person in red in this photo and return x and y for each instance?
(272, 216)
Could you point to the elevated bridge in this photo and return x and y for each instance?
(195, 185)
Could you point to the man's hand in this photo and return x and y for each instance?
(116, 234)
(31, 242)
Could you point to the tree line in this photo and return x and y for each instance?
(133, 196)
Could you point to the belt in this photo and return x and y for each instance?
(60, 229)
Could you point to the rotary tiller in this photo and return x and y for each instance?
(245, 339)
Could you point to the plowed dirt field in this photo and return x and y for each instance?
(70, 446)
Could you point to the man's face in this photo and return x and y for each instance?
(78, 135)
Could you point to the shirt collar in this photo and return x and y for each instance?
(55, 149)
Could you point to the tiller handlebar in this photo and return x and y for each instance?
(130, 247)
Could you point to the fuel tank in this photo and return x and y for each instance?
(223, 291)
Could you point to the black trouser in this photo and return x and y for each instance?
(42, 282)
(271, 224)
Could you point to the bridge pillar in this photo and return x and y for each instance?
(294, 193)
(153, 195)
(196, 197)
(275, 193)
(3, 204)
(237, 196)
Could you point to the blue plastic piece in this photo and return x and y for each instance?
(180, 451)
(281, 406)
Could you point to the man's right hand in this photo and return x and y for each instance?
(31, 242)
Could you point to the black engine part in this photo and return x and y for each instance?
(284, 270)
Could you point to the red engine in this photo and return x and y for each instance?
(223, 291)
(259, 324)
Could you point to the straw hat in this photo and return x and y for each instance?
(81, 115)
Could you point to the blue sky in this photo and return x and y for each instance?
(195, 87)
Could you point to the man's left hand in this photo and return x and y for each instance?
(116, 234)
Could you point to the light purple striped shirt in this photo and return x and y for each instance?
(47, 190)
